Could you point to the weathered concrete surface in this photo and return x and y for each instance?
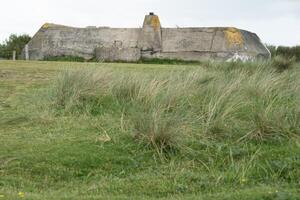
(115, 53)
(210, 43)
(151, 36)
(56, 40)
(150, 41)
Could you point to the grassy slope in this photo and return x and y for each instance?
(64, 156)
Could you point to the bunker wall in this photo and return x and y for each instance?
(58, 41)
(150, 41)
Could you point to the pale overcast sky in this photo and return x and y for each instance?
(275, 21)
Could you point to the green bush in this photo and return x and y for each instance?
(289, 52)
(272, 50)
(283, 63)
(286, 52)
(14, 43)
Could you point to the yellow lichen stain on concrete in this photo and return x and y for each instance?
(234, 37)
(46, 25)
(155, 23)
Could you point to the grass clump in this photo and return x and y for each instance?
(150, 103)
(75, 89)
(162, 110)
(158, 130)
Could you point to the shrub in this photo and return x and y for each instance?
(272, 50)
(286, 52)
(14, 43)
(282, 63)
(289, 52)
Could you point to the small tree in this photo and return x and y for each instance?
(285, 52)
(14, 43)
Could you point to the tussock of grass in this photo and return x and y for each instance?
(73, 89)
(240, 103)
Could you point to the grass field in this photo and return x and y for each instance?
(143, 131)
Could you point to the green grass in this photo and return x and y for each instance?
(65, 58)
(142, 131)
(140, 61)
(168, 61)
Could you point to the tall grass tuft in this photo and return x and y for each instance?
(75, 88)
(173, 110)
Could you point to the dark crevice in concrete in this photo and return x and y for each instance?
(213, 39)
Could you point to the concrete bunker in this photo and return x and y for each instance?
(150, 41)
